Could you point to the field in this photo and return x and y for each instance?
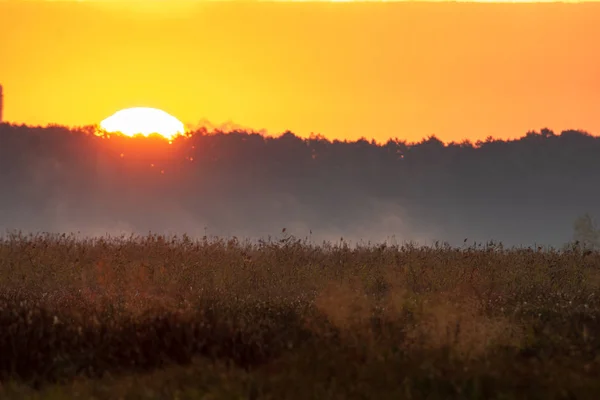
(155, 318)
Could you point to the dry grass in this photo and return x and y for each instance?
(153, 317)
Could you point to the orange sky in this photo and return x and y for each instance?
(377, 70)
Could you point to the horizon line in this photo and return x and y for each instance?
(227, 128)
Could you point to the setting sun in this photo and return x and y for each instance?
(143, 121)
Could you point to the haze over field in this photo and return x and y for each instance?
(519, 192)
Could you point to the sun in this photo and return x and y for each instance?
(143, 121)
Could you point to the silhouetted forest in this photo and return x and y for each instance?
(518, 192)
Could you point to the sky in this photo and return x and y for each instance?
(344, 70)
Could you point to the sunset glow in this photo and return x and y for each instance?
(143, 121)
(344, 70)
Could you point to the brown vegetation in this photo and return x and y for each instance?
(154, 317)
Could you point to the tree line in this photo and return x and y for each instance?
(520, 192)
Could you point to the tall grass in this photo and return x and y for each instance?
(156, 317)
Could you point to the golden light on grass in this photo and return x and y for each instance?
(143, 121)
(303, 311)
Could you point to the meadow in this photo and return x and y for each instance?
(154, 317)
